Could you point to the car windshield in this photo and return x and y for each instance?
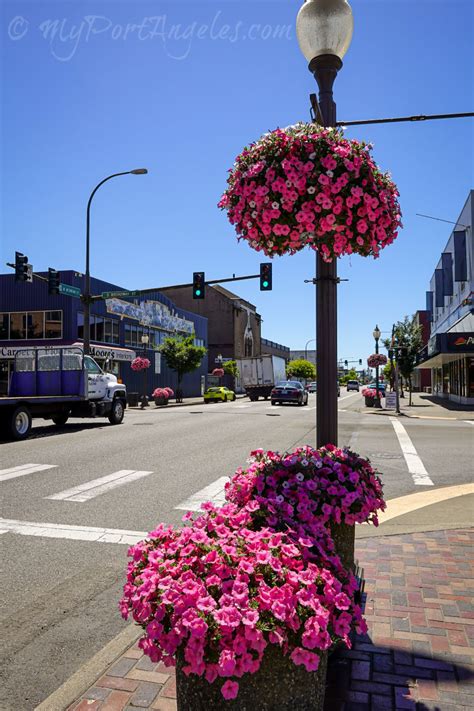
(353, 382)
(213, 390)
(289, 384)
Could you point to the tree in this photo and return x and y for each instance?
(407, 341)
(182, 356)
(389, 375)
(351, 375)
(301, 369)
(230, 368)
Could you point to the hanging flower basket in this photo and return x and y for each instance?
(376, 360)
(138, 364)
(219, 372)
(309, 186)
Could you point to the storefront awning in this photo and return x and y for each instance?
(446, 348)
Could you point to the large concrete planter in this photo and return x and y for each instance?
(344, 541)
(161, 401)
(279, 685)
(369, 402)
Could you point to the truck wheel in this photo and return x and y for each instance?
(60, 420)
(117, 412)
(19, 425)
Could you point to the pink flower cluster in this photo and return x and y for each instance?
(219, 590)
(163, 392)
(309, 186)
(140, 363)
(371, 392)
(376, 359)
(218, 371)
(309, 488)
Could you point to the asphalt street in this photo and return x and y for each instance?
(72, 499)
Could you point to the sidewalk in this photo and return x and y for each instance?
(172, 403)
(418, 653)
(425, 406)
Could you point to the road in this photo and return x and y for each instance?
(73, 499)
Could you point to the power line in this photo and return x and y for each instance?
(440, 219)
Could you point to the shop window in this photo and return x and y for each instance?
(53, 324)
(35, 324)
(80, 324)
(4, 319)
(128, 335)
(99, 329)
(17, 326)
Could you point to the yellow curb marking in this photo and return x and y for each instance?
(412, 502)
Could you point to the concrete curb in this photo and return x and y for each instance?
(85, 677)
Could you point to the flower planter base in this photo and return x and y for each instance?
(161, 401)
(369, 402)
(344, 541)
(279, 685)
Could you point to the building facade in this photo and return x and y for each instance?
(449, 353)
(421, 378)
(276, 349)
(234, 326)
(30, 317)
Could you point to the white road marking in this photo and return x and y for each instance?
(353, 440)
(75, 533)
(415, 465)
(469, 422)
(214, 492)
(23, 470)
(94, 488)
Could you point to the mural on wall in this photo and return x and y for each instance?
(150, 313)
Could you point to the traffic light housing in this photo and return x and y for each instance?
(53, 281)
(22, 268)
(360, 361)
(199, 285)
(266, 276)
(346, 363)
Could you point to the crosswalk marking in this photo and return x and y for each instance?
(415, 465)
(214, 492)
(91, 489)
(76, 533)
(23, 470)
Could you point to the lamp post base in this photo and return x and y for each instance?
(144, 402)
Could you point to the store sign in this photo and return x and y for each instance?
(157, 363)
(459, 342)
(391, 401)
(9, 352)
(112, 353)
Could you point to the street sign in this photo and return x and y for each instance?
(69, 290)
(391, 401)
(119, 294)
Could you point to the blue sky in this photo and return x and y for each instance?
(93, 88)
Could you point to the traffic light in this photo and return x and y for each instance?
(199, 285)
(360, 361)
(266, 276)
(346, 363)
(53, 281)
(22, 268)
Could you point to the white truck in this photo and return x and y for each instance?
(260, 374)
(55, 384)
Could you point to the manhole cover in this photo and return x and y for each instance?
(273, 414)
(197, 412)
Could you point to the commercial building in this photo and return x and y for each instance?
(276, 349)
(234, 326)
(29, 317)
(449, 353)
(421, 378)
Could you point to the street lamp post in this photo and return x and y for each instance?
(145, 339)
(306, 347)
(86, 298)
(324, 29)
(376, 334)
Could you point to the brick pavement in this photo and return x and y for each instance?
(418, 653)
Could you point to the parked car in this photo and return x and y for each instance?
(219, 394)
(312, 387)
(381, 387)
(353, 385)
(289, 391)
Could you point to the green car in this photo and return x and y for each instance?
(218, 394)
